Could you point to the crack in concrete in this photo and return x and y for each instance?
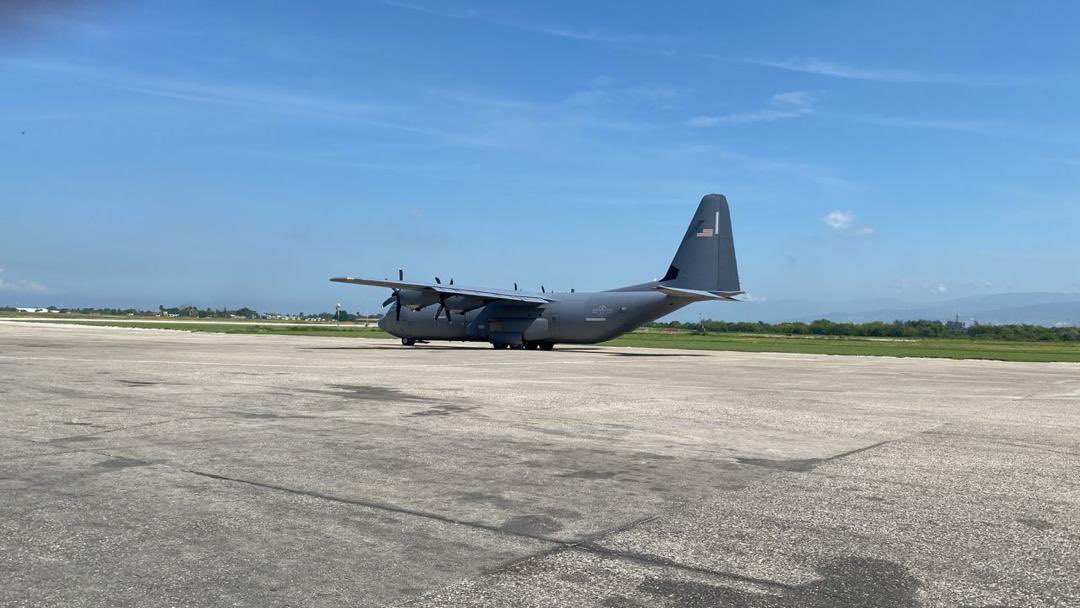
(372, 504)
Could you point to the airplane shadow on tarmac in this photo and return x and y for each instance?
(849, 582)
(570, 351)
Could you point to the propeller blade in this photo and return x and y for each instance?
(390, 299)
(447, 314)
(451, 280)
(437, 281)
(397, 307)
(400, 274)
(542, 290)
(515, 286)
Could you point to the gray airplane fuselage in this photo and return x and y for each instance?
(573, 318)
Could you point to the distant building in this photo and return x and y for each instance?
(956, 324)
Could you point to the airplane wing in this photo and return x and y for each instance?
(697, 295)
(450, 290)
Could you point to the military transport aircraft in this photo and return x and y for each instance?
(703, 269)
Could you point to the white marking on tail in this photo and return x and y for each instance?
(716, 232)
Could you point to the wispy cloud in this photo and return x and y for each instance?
(594, 35)
(780, 106)
(966, 126)
(483, 100)
(320, 105)
(603, 89)
(585, 35)
(757, 164)
(845, 222)
(20, 285)
(437, 12)
(820, 67)
(252, 97)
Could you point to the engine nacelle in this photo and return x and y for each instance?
(463, 304)
(416, 300)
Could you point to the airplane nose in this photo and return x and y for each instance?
(382, 323)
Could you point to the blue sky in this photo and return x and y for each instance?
(231, 153)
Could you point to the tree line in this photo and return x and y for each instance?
(194, 312)
(879, 329)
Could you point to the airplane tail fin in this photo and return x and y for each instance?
(705, 260)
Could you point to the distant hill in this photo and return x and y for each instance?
(1032, 308)
(1039, 308)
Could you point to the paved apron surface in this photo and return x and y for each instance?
(162, 468)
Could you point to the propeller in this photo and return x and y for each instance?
(515, 286)
(396, 296)
(442, 307)
(542, 290)
(437, 281)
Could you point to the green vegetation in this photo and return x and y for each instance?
(190, 312)
(877, 329)
(950, 348)
(954, 347)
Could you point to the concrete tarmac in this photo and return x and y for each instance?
(165, 468)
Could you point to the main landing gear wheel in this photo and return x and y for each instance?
(532, 346)
(499, 345)
(408, 342)
(546, 346)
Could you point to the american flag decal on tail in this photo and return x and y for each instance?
(706, 232)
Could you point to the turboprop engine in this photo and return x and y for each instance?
(418, 299)
(463, 304)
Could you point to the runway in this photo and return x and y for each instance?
(165, 468)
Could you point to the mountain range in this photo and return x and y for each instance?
(1040, 308)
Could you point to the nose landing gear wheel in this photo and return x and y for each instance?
(408, 342)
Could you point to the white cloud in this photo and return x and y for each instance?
(791, 104)
(845, 222)
(20, 285)
(839, 220)
(812, 65)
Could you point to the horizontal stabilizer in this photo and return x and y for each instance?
(698, 295)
